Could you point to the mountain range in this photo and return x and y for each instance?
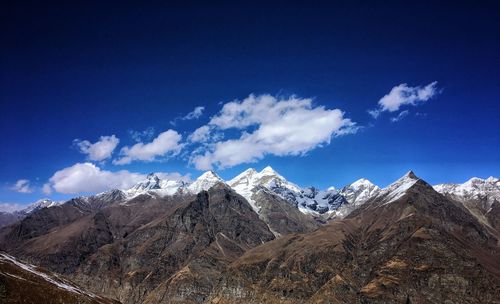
(259, 238)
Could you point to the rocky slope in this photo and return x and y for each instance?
(141, 250)
(25, 283)
(480, 196)
(8, 218)
(409, 244)
(319, 204)
(255, 239)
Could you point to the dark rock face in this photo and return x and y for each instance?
(148, 250)
(23, 283)
(281, 217)
(178, 256)
(417, 248)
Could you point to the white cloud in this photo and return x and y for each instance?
(202, 134)
(404, 95)
(174, 176)
(87, 177)
(11, 207)
(195, 114)
(100, 150)
(47, 189)
(22, 186)
(284, 126)
(375, 113)
(166, 143)
(400, 116)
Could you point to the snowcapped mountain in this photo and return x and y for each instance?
(356, 195)
(398, 188)
(360, 191)
(478, 194)
(43, 203)
(153, 184)
(308, 200)
(474, 189)
(206, 181)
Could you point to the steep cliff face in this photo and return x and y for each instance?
(407, 245)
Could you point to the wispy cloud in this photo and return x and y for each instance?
(165, 144)
(195, 114)
(269, 126)
(145, 135)
(87, 177)
(100, 150)
(400, 116)
(402, 95)
(22, 186)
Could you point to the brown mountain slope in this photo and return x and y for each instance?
(408, 245)
(152, 250)
(281, 217)
(24, 283)
(178, 256)
(61, 238)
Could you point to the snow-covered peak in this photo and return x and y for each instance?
(359, 192)
(40, 204)
(492, 180)
(151, 182)
(399, 188)
(269, 171)
(406, 180)
(473, 189)
(307, 200)
(362, 183)
(268, 178)
(155, 185)
(244, 177)
(206, 181)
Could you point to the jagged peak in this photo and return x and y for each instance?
(250, 171)
(362, 182)
(410, 174)
(152, 175)
(205, 181)
(408, 177)
(39, 204)
(269, 170)
(492, 179)
(209, 175)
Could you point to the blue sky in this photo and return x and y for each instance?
(71, 74)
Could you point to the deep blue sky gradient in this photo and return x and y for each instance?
(81, 71)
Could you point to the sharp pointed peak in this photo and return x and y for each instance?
(410, 174)
(209, 174)
(152, 175)
(362, 181)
